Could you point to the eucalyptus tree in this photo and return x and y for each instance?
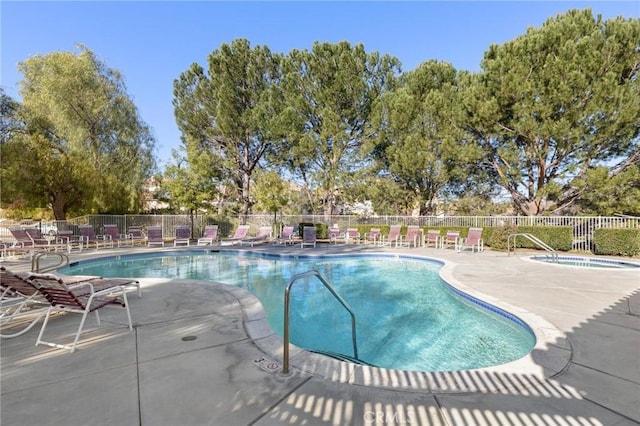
(83, 147)
(228, 111)
(420, 139)
(555, 103)
(329, 92)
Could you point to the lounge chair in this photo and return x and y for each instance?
(21, 304)
(183, 235)
(472, 241)
(154, 236)
(451, 238)
(39, 239)
(286, 236)
(24, 239)
(374, 236)
(136, 235)
(209, 236)
(21, 298)
(123, 240)
(239, 235)
(433, 236)
(352, 236)
(308, 236)
(263, 235)
(89, 238)
(413, 237)
(83, 299)
(335, 234)
(68, 238)
(393, 238)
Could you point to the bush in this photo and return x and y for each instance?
(497, 236)
(557, 237)
(617, 242)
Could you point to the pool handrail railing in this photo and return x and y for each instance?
(537, 241)
(287, 298)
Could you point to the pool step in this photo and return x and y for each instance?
(342, 357)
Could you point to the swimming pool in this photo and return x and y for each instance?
(408, 318)
(587, 262)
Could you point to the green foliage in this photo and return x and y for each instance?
(420, 136)
(387, 197)
(329, 92)
(88, 150)
(605, 193)
(231, 112)
(187, 188)
(496, 237)
(554, 103)
(226, 225)
(272, 193)
(477, 205)
(557, 237)
(617, 242)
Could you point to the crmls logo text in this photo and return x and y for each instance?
(388, 418)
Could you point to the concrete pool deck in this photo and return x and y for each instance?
(201, 354)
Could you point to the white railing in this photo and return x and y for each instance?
(582, 226)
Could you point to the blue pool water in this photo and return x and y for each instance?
(407, 317)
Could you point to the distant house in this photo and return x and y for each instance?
(149, 193)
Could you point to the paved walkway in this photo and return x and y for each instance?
(201, 354)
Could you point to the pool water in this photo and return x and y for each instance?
(407, 317)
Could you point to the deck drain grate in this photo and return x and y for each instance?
(188, 338)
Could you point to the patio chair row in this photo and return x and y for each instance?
(472, 241)
(414, 237)
(30, 240)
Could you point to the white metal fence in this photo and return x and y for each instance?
(582, 226)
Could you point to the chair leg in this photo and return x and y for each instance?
(126, 307)
(44, 325)
(84, 317)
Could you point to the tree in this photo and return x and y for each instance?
(605, 192)
(421, 140)
(228, 112)
(272, 194)
(87, 148)
(329, 93)
(188, 188)
(9, 120)
(554, 104)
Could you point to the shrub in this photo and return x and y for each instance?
(496, 237)
(617, 242)
(557, 237)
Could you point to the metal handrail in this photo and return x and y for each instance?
(35, 261)
(285, 354)
(535, 240)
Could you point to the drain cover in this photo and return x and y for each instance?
(188, 338)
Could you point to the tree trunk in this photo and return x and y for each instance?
(59, 206)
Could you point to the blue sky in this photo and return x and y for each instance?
(151, 43)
